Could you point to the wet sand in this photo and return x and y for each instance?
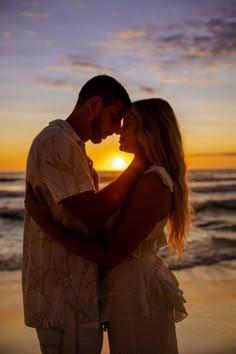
(210, 327)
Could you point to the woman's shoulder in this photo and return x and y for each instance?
(161, 172)
(153, 191)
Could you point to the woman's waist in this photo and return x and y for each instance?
(149, 246)
(134, 274)
(136, 263)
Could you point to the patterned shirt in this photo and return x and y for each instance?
(58, 286)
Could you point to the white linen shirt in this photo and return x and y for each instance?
(59, 287)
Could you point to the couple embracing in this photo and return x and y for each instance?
(90, 256)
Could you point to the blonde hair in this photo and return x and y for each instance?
(158, 131)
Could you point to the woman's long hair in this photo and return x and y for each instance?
(158, 131)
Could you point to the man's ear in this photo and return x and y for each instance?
(94, 104)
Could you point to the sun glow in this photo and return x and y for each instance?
(119, 163)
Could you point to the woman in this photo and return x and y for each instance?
(140, 297)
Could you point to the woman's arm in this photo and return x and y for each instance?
(94, 208)
(149, 202)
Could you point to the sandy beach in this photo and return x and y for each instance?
(209, 329)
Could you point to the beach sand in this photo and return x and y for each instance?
(210, 328)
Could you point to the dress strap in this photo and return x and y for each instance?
(161, 171)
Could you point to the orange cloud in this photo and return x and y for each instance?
(130, 34)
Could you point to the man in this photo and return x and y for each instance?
(59, 288)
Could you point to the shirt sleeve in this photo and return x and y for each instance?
(64, 167)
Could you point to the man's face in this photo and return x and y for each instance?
(107, 122)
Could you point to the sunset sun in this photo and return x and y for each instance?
(119, 163)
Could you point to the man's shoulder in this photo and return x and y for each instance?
(53, 129)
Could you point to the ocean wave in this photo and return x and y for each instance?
(221, 251)
(213, 175)
(11, 194)
(224, 241)
(229, 204)
(11, 179)
(13, 262)
(217, 225)
(207, 261)
(7, 213)
(214, 189)
(210, 223)
(213, 178)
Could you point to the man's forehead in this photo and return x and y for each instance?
(118, 108)
(119, 105)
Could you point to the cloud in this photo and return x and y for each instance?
(147, 90)
(176, 79)
(116, 44)
(53, 83)
(32, 14)
(74, 63)
(123, 42)
(218, 43)
(130, 34)
(90, 67)
(208, 43)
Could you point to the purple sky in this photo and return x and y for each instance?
(184, 51)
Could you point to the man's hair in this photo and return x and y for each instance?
(108, 88)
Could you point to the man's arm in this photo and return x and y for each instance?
(149, 202)
(66, 175)
(94, 208)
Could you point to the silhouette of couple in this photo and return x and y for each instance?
(90, 257)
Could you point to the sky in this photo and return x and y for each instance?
(183, 51)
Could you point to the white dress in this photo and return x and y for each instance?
(143, 285)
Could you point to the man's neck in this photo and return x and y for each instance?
(76, 122)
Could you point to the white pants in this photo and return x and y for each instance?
(148, 335)
(70, 340)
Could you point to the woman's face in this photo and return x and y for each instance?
(128, 133)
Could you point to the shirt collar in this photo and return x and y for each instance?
(67, 128)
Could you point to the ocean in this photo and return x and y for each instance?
(212, 237)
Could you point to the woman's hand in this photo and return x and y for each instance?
(36, 206)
